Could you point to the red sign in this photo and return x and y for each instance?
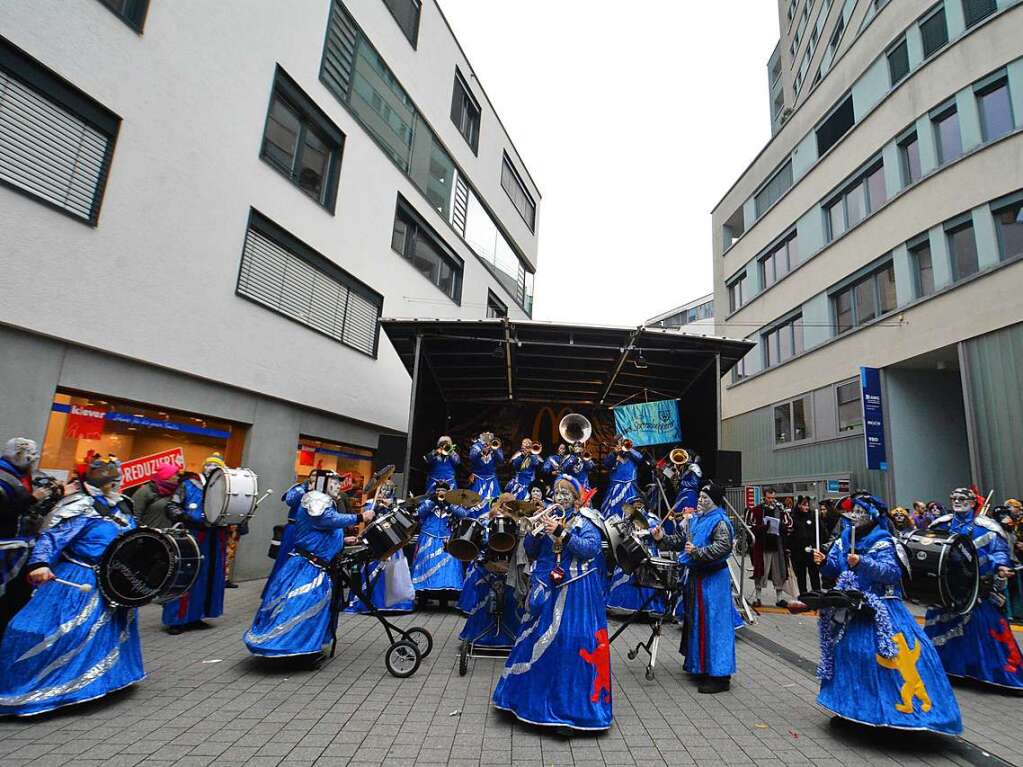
(85, 422)
(750, 499)
(140, 470)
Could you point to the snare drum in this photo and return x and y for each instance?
(627, 548)
(943, 569)
(230, 496)
(390, 532)
(147, 565)
(466, 539)
(658, 573)
(503, 534)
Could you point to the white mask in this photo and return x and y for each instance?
(704, 503)
(563, 498)
(21, 452)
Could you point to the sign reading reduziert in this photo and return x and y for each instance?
(873, 419)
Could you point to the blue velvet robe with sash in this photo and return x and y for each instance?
(880, 669)
(291, 498)
(484, 470)
(440, 468)
(525, 467)
(559, 671)
(434, 570)
(979, 645)
(67, 646)
(374, 580)
(579, 469)
(622, 485)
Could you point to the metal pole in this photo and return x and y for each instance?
(407, 469)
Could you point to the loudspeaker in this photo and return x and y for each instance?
(390, 449)
(729, 468)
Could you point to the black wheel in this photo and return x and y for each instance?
(463, 659)
(631, 655)
(422, 639)
(402, 659)
(649, 674)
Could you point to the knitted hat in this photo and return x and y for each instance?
(714, 491)
(216, 459)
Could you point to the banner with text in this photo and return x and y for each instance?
(649, 423)
(873, 419)
(140, 470)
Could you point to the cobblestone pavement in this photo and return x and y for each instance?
(206, 701)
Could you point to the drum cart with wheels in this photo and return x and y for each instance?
(666, 585)
(469, 647)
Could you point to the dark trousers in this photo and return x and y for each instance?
(15, 597)
(802, 564)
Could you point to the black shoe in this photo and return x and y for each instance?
(715, 684)
(200, 625)
(756, 603)
(781, 603)
(230, 585)
(175, 630)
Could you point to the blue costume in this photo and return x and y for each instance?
(578, 468)
(554, 464)
(67, 646)
(879, 669)
(979, 645)
(440, 468)
(296, 616)
(483, 587)
(623, 595)
(206, 597)
(559, 672)
(688, 489)
(484, 470)
(622, 485)
(434, 569)
(292, 498)
(525, 474)
(375, 578)
(15, 539)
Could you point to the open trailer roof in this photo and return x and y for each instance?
(503, 360)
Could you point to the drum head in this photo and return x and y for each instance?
(135, 568)
(960, 576)
(214, 499)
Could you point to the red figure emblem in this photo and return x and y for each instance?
(1012, 663)
(600, 659)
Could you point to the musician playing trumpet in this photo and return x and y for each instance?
(525, 463)
(441, 463)
(622, 464)
(579, 464)
(484, 456)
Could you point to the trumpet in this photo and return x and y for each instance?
(625, 446)
(587, 455)
(678, 456)
(495, 444)
(554, 511)
(446, 448)
(536, 448)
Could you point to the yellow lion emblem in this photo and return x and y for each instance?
(912, 685)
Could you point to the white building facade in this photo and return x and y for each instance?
(696, 316)
(205, 209)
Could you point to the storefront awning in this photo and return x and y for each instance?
(501, 360)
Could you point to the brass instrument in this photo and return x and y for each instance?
(575, 428)
(536, 448)
(587, 455)
(554, 511)
(495, 444)
(446, 448)
(625, 446)
(678, 456)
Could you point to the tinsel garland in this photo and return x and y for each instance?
(830, 636)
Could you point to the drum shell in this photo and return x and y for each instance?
(631, 553)
(148, 565)
(503, 535)
(658, 573)
(943, 569)
(389, 532)
(466, 539)
(230, 496)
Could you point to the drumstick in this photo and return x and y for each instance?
(817, 527)
(85, 588)
(265, 495)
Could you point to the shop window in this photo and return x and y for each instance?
(1009, 224)
(850, 413)
(793, 421)
(356, 462)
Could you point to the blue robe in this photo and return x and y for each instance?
(525, 467)
(708, 636)
(292, 498)
(622, 485)
(67, 646)
(880, 670)
(206, 597)
(374, 583)
(484, 470)
(479, 603)
(979, 645)
(440, 468)
(623, 596)
(688, 489)
(579, 469)
(295, 616)
(552, 467)
(559, 671)
(434, 570)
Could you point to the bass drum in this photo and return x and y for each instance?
(230, 496)
(943, 569)
(389, 532)
(148, 565)
(466, 539)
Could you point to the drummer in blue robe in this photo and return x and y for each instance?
(206, 597)
(559, 671)
(623, 595)
(525, 464)
(485, 455)
(441, 464)
(69, 645)
(708, 633)
(382, 581)
(435, 573)
(578, 465)
(979, 645)
(622, 465)
(877, 665)
(297, 615)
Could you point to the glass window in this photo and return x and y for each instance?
(866, 304)
(843, 311)
(465, 112)
(898, 62)
(850, 414)
(783, 342)
(801, 419)
(923, 269)
(132, 12)
(836, 219)
(934, 32)
(963, 248)
(909, 153)
(797, 337)
(495, 307)
(736, 293)
(835, 126)
(773, 189)
(976, 10)
(855, 204)
(783, 423)
(1009, 223)
(950, 143)
(512, 183)
(876, 192)
(418, 244)
(886, 289)
(406, 13)
(995, 110)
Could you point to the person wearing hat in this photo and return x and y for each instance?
(151, 499)
(206, 597)
(388, 584)
(553, 466)
(17, 495)
(1011, 520)
(622, 465)
(623, 596)
(979, 645)
(435, 573)
(441, 464)
(578, 466)
(484, 459)
(525, 464)
(901, 520)
(68, 644)
(708, 631)
(877, 665)
(559, 671)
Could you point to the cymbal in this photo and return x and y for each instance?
(414, 502)
(379, 477)
(465, 498)
(518, 509)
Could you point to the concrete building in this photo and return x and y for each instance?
(697, 316)
(206, 207)
(881, 227)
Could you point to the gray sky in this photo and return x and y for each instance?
(634, 121)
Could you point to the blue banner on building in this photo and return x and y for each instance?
(873, 419)
(649, 423)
